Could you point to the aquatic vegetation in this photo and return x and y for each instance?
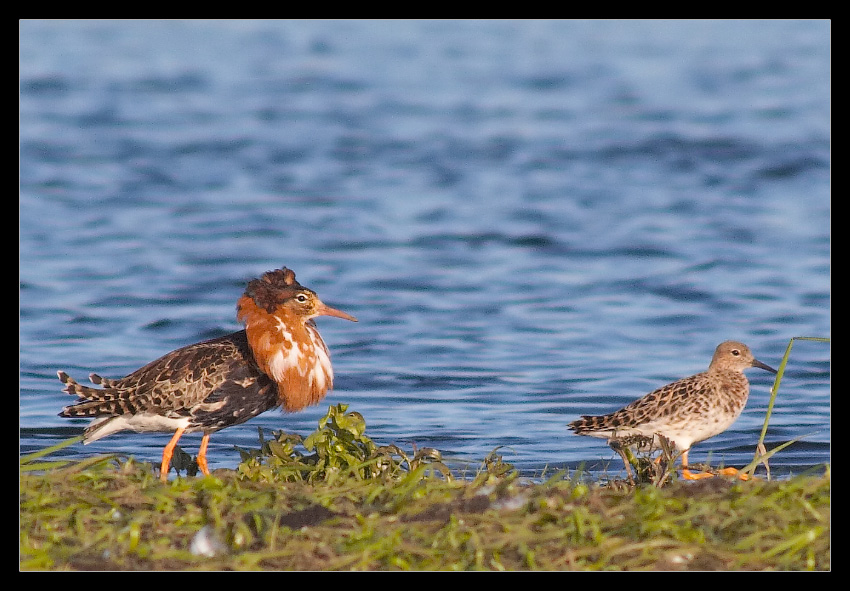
(340, 449)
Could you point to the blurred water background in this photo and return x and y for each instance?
(532, 220)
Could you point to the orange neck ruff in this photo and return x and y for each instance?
(290, 351)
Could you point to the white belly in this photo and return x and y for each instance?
(140, 423)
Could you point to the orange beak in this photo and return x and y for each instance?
(323, 310)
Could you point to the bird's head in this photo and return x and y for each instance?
(279, 294)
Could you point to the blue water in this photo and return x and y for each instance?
(532, 220)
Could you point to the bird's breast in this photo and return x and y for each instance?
(293, 354)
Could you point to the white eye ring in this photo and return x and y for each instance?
(301, 298)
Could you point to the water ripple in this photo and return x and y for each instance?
(531, 219)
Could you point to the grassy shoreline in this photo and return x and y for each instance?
(344, 503)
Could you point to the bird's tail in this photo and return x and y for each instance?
(91, 401)
(588, 424)
(103, 404)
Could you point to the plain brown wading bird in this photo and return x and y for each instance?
(685, 412)
(278, 360)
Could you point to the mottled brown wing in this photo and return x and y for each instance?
(245, 394)
(173, 383)
(659, 403)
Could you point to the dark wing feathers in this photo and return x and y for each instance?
(656, 404)
(175, 382)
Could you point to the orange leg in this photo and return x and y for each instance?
(167, 453)
(688, 475)
(202, 454)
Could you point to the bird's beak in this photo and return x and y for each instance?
(324, 310)
(757, 363)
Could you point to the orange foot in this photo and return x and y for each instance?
(734, 472)
(688, 475)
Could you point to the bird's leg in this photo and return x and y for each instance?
(687, 474)
(202, 454)
(167, 453)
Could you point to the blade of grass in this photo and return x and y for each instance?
(49, 450)
(759, 458)
(775, 390)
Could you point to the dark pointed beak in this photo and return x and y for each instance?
(323, 310)
(757, 363)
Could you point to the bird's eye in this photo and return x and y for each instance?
(301, 298)
(735, 352)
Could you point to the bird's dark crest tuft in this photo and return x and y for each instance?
(272, 288)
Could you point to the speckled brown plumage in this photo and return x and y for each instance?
(686, 411)
(278, 360)
(213, 384)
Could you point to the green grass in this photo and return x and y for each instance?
(352, 505)
(337, 501)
